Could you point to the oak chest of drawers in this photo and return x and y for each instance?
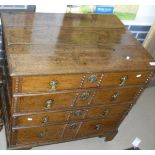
(69, 76)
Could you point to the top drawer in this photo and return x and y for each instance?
(74, 81)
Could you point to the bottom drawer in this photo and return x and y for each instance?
(97, 127)
(70, 131)
(39, 134)
(91, 127)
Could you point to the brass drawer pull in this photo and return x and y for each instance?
(42, 134)
(79, 113)
(98, 127)
(92, 78)
(115, 96)
(73, 125)
(105, 112)
(53, 85)
(45, 120)
(49, 103)
(123, 80)
(84, 96)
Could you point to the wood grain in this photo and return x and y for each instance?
(32, 135)
(39, 103)
(90, 128)
(60, 19)
(38, 119)
(71, 45)
(106, 97)
(104, 111)
(30, 84)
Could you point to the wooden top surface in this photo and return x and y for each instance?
(45, 44)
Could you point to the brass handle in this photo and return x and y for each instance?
(98, 127)
(45, 120)
(92, 78)
(73, 125)
(105, 112)
(84, 96)
(123, 80)
(53, 85)
(78, 113)
(115, 96)
(49, 103)
(42, 134)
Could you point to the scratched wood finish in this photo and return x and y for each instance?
(69, 49)
(76, 60)
(45, 35)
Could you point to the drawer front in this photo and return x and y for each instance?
(41, 119)
(124, 78)
(107, 111)
(78, 114)
(50, 83)
(84, 98)
(115, 95)
(71, 130)
(45, 102)
(101, 111)
(39, 134)
(75, 81)
(106, 96)
(97, 127)
(56, 82)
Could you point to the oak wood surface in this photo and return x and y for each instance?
(98, 31)
(63, 132)
(90, 127)
(124, 95)
(39, 103)
(133, 78)
(51, 133)
(59, 19)
(63, 101)
(105, 112)
(111, 134)
(38, 119)
(30, 84)
(102, 111)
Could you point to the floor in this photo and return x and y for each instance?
(139, 123)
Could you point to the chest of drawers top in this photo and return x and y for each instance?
(47, 44)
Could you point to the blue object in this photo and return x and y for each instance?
(104, 10)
